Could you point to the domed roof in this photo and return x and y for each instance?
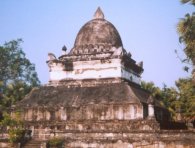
(98, 32)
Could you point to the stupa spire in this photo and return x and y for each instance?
(99, 14)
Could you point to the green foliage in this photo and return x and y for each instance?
(180, 99)
(14, 126)
(14, 92)
(57, 142)
(17, 74)
(186, 1)
(187, 98)
(150, 86)
(16, 135)
(7, 121)
(186, 30)
(14, 65)
(170, 98)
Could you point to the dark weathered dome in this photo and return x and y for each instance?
(98, 32)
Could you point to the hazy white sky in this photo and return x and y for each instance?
(147, 29)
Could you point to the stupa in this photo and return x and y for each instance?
(94, 97)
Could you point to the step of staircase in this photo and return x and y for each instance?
(33, 144)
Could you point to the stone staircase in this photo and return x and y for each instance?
(34, 143)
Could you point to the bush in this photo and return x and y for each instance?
(55, 142)
(16, 135)
(14, 127)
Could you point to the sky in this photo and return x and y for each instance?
(147, 30)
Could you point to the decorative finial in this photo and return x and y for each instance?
(64, 48)
(140, 64)
(99, 14)
(51, 56)
(150, 100)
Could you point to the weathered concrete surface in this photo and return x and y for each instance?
(110, 134)
(94, 97)
(114, 101)
(122, 138)
(147, 139)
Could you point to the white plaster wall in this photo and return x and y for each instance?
(150, 110)
(132, 112)
(118, 113)
(28, 115)
(47, 115)
(93, 69)
(39, 115)
(129, 112)
(63, 115)
(139, 113)
(130, 76)
(87, 70)
(89, 112)
(118, 144)
(109, 113)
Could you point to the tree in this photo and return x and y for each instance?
(182, 98)
(170, 98)
(14, 127)
(150, 86)
(186, 30)
(166, 96)
(17, 74)
(186, 98)
(177, 100)
(186, 1)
